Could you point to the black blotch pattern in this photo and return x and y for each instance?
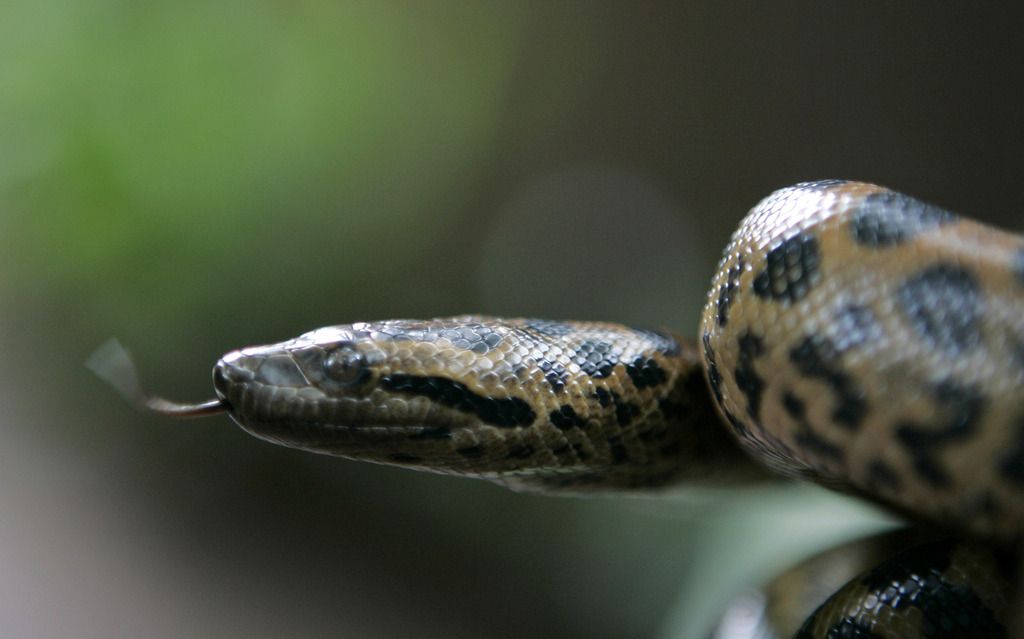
(914, 579)
(471, 452)
(1011, 467)
(711, 366)
(890, 218)
(625, 412)
(943, 303)
(554, 373)
(646, 373)
(881, 476)
(750, 383)
(404, 458)
(964, 406)
(595, 358)
(496, 412)
(791, 269)
(727, 292)
(565, 417)
(604, 397)
(817, 357)
(794, 406)
(806, 438)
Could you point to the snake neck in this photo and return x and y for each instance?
(532, 404)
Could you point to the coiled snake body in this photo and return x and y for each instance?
(852, 335)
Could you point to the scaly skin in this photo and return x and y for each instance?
(853, 336)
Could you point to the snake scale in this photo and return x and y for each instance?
(852, 336)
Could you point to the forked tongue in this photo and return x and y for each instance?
(112, 363)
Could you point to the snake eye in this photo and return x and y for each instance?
(345, 365)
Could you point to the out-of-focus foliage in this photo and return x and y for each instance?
(269, 142)
(193, 177)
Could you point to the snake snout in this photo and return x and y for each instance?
(231, 373)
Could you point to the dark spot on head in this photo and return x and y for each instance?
(727, 292)
(471, 452)
(565, 417)
(943, 304)
(646, 373)
(890, 218)
(750, 383)
(791, 269)
(505, 412)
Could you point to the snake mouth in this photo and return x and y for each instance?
(269, 398)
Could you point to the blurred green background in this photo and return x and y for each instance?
(193, 177)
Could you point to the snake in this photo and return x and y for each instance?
(852, 336)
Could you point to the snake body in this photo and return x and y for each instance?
(853, 336)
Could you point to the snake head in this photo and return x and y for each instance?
(407, 392)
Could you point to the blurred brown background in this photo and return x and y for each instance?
(193, 177)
